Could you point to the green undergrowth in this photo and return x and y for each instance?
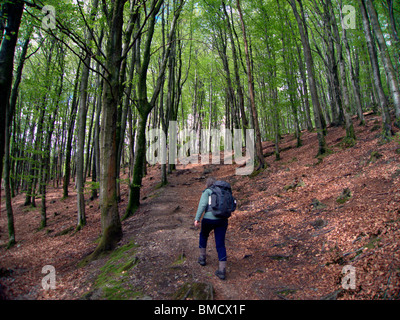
(113, 282)
(194, 291)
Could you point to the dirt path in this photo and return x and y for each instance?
(168, 241)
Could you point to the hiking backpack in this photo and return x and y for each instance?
(221, 202)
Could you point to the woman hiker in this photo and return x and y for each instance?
(209, 223)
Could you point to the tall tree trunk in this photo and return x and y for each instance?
(82, 113)
(36, 164)
(338, 117)
(163, 118)
(72, 117)
(290, 79)
(396, 39)
(110, 220)
(172, 113)
(124, 105)
(13, 13)
(350, 134)
(83, 108)
(10, 215)
(387, 63)
(8, 120)
(304, 89)
(145, 106)
(96, 147)
(46, 161)
(96, 133)
(322, 147)
(140, 153)
(386, 123)
(235, 58)
(356, 91)
(259, 150)
(345, 102)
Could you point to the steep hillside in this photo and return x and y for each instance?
(298, 224)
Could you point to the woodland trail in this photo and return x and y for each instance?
(289, 238)
(168, 241)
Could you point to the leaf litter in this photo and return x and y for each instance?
(289, 238)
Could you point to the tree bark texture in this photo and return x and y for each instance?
(387, 63)
(110, 220)
(311, 77)
(258, 145)
(13, 11)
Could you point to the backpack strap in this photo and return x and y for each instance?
(209, 199)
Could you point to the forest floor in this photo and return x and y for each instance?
(290, 237)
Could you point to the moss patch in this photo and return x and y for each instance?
(255, 173)
(344, 196)
(179, 260)
(374, 241)
(286, 292)
(194, 291)
(375, 155)
(295, 184)
(113, 281)
(318, 205)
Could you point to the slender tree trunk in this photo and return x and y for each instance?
(96, 133)
(172, 113)
(235, 58)
(123, 113)
(259, 150)
(311, 78)
(8, 120)
(145, 106)
(338, 118)
(96, 145)
(386, 123)
(304, 90)
(72, 117)
(81, 144)
(46, 144)
(13, 13)
(140, 153)
(387, 63)
(356, 91)
(110, 220)
(350, 135)
(290, 80)
(10, 215)
(395, 36)
(83, 108)
(38, 155)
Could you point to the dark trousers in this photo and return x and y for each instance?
(219, 226)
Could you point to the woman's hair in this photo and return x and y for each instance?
(210, 181)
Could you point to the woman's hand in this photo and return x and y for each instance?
(196, 223)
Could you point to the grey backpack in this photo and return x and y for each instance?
(221, 202)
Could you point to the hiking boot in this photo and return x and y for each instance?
(202, 257)
(221, 273)
(202, 261)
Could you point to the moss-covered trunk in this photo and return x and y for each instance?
(140, 154)
(110, 220)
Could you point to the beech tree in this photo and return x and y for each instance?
(319, 122)
(387, 62)
(144, 105)
(11, 14)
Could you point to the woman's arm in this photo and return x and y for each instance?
(202, 205)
